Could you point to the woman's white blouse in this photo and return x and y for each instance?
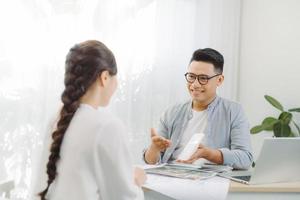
(95, 161)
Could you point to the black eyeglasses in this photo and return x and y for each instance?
(202, 79)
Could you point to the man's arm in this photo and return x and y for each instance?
(213, 155)
(152, 155)
(158, 144)
(239, 156)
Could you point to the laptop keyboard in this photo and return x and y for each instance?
(245, 178)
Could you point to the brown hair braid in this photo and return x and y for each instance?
(84, 63)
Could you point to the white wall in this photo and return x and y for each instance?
(269, 58)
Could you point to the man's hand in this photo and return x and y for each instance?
(158, 142)
(212, 155)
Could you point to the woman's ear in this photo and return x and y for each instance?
(103, 78)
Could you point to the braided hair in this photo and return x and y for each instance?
(84, 63)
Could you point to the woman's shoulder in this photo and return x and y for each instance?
(99, 121)
(98, 115)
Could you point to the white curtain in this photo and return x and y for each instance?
(152, 40)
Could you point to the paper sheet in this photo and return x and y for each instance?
(215, 188)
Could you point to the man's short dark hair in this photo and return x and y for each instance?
(210, 56)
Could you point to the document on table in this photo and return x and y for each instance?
(180, 171)
(215, 188)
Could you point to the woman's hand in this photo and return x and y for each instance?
(139, 176)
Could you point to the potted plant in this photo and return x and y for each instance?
(281, 126)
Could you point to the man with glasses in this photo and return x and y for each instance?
(223, 122)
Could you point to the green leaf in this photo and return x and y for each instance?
(268, 123)
(294, 110)
(281, 130)
(285, 117)
(287, 132)
(256, 129)
(274, 102)
(297, 127)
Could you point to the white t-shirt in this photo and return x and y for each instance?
(95, 160)
(197, 124)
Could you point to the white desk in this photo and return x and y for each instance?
(152, 195)
(275, 191)
(185, 189)
(238, 191)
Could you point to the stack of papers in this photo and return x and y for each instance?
(188, 171)
(186, 181)
(181, 171)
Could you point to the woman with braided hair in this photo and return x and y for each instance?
(89, 156)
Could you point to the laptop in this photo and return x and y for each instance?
(278, 161)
